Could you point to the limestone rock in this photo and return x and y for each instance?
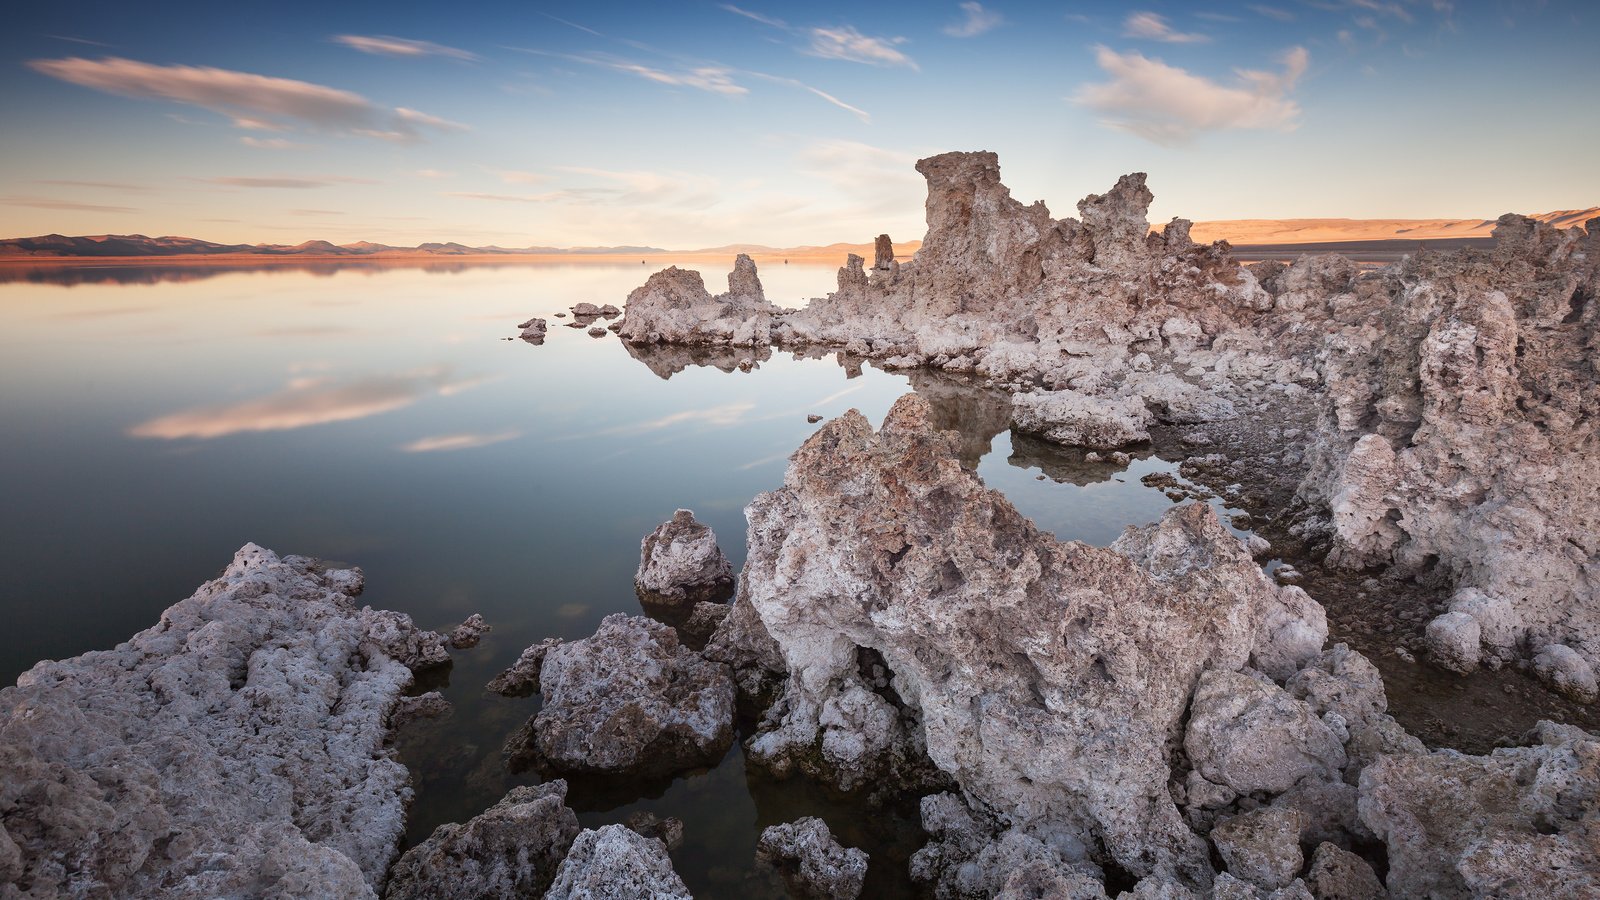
(511, 849)
(1563, 669)
(431, 705)
(681, 564)
(668, 831)
(1262, 846)
(628, 699)
(615, 863)
(1068, 417)
(674, 307)
(522, 678)
(812, 863)
(468, 633)
(1250, 735)
(1520, 822)
(585, 310)
(882, 253)
(1045, 703)
(1341, 875)
(237, 747)
(533, 330)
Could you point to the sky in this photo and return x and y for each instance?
(699, 124)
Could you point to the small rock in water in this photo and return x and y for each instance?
(813, 418)
(586, 309)
(615, 863)
(609, 312)
(431, 705)
(680, 563)
(512, 849)
(561, 315)
(813, 864)
(468, 633)
(668, 831)
(746, 364)
(597, 331)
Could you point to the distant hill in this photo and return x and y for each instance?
(1256, 233)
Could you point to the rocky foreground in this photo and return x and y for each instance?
(1438, 416)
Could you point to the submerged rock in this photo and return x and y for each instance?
(681, 564)
(511, 849)
(467, 635)
(1003, 663)
(812, 863)
(627, 699)
(533, 331)
(236, 748)
(615, 863)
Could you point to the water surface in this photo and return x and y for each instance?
(158, 417)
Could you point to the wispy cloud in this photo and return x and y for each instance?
(252, 101)
(856, 111)
(715, 79)
(1169, 105)
(98, 185)
(1152, 27)
(1274, 13)
(846, 43)
(69, 205)
(271, 143)
(247, 181)
(512, 176)
(387, 45)
(304, 402)
(77, 40)
(757, 17)
(976, 21)
(433, 173)
(465, 441)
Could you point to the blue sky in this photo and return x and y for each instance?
(696, 124)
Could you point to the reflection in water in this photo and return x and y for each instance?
(72, 274)
(466, 441)
(668, 360)
(975, 412)
(306, 401)
(1063, 465)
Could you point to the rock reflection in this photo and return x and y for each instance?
(977, 413)
(1063, 465)
(667, 360)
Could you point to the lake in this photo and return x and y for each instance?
(157, 417)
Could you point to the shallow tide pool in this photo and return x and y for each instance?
(157, 418)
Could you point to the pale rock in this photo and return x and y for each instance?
(1563, 669)
(615, 863)
(511, 849)
(237, 747)
(585, 310)
(1519, 822)
(812, 863)
(1250, 735)
(681, 564)
(627, 699)
(1068, 417)
(1341, 875)
(1262, 846)
(674, 307)
(1454, 640)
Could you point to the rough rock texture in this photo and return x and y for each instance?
(1341, 875)
(1251, 736)
(883, 253)
(1068, 417)
(680, 564)
(668, 831)
(510, 850)
(533, 331)
(522, 677)
(674, 307)
(628, 698)
(813, 864)
(236, 748)
(1520, 822)
(1458, 439)
(1050, 706)
(1262, 846)
(467, 635)
(615, 863)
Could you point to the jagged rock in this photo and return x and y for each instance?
(585, 310)
(615, 863)
(522, 678)
(1231, 888)
(703, 621)
(628, 699)
(431, 705)
(236, 748)
(674, 307)
(668, 831)
(1044, 702)
(1068, 417)
(1262, 846)
(533, 330)
(511, 849)
(1520, 822)
(680, 564)
(467, 635)
(742, 643)
(609, 311)
(1344, 684)
(973, 855)
(882, 253)
(813, 864)
(1250, 735)
(1341, 875)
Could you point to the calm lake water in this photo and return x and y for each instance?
(156, 418)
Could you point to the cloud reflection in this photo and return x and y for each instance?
(305, 402)
(466, 441)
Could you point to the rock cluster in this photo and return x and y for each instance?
(616, 863)
(236, 748)
(510, 850)
(680, 564)
(674, 307)
(533, 330)
(627, 699)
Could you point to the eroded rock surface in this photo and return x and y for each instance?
(1005, 664)
(674, 307)
(813, 864)
(680, 564)
(511, 849)
(236, 748)
(627, 699)
(615, 863)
